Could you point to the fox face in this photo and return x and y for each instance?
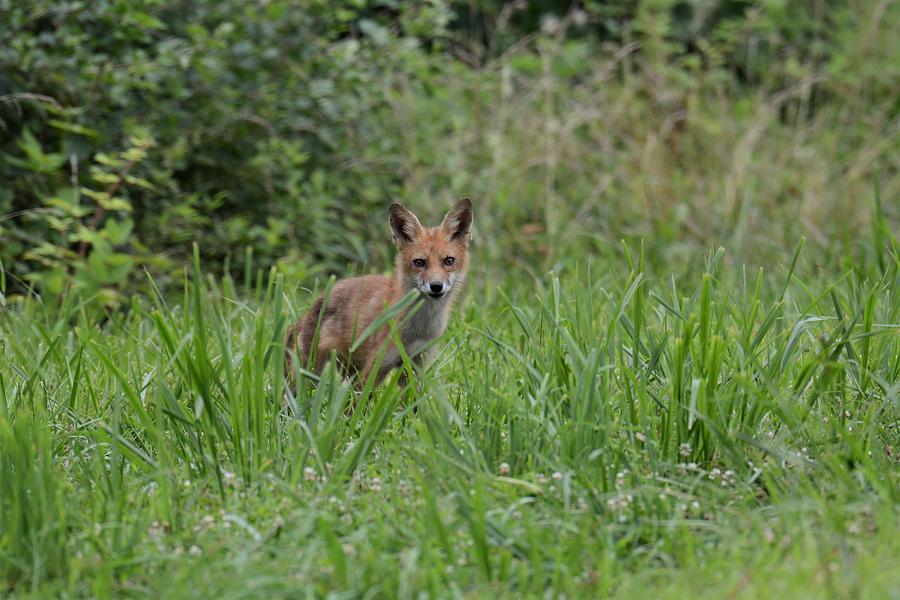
(432, 260)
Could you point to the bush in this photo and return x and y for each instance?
(255, 110)
(288, 130)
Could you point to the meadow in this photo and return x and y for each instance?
(585, 434)
(674, 373)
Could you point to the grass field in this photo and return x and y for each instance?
(719, 433)
(707, 409)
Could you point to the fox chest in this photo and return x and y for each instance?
(423, 326)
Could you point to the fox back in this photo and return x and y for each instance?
(430, 261)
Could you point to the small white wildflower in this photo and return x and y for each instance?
(195, 550)
(684, 449)
(504, 469)
(619, 502)
(557, 476)
(154, 530)
(309, 474)
(640, 437)
(541, 478)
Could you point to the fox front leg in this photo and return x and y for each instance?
(420, 363)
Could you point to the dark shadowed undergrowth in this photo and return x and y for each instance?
(725, 432)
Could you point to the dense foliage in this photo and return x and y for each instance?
(130, 129)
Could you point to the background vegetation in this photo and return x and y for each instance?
(709, 408)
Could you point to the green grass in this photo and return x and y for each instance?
(593, 432)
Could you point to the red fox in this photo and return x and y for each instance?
(432, 261)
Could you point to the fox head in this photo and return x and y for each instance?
(432, 260)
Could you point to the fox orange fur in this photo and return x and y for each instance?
(432, 261)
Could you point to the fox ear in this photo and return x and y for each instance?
(404, 225)
(457, 224)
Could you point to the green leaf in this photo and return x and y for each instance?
(115, 204)
(74, 128)
(145, 20)
(117, 232)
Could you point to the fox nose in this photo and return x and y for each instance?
(436, 287)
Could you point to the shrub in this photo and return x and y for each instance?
(287, 130)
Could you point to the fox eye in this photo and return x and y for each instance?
(449, 261)
(419, 262)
